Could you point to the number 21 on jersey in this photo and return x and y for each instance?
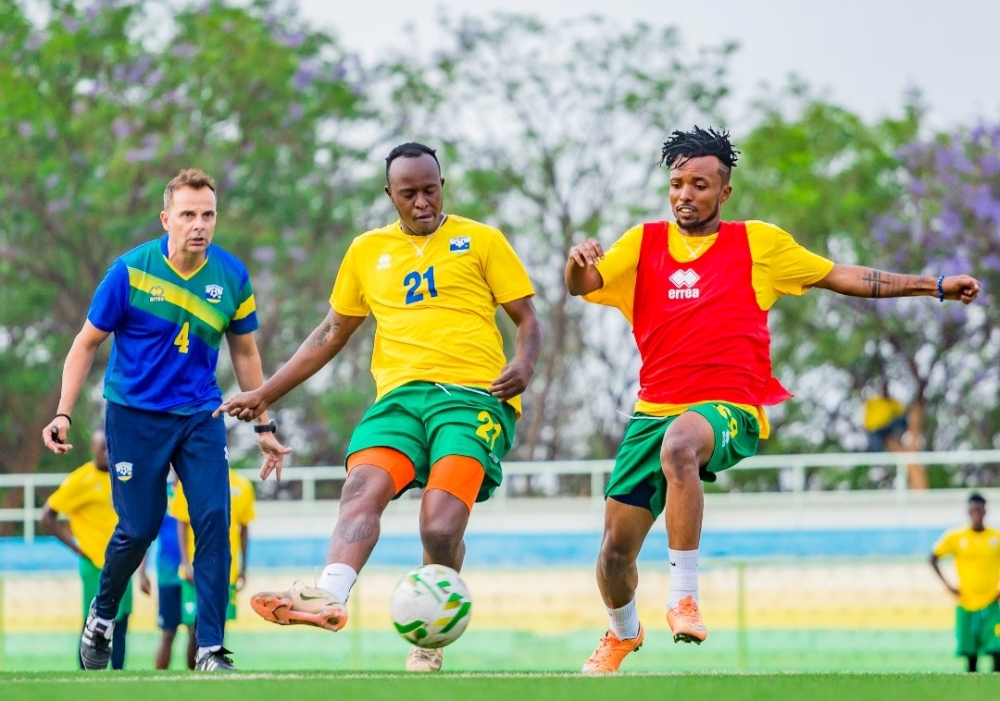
(415, 280)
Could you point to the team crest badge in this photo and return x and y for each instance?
(459, 244)
(213, 293)
(124, 471)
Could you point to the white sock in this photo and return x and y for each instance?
(202, 651)
(683, 576)
(624, 621)
(338, 578)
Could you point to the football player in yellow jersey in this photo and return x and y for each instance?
(976, 551)
(242, 499)
(447, 399)
(84, 498)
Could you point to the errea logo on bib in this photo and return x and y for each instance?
(684, 281)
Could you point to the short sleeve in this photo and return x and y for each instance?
(348, 297)
(504, 271)
(69, 496)
(945, 546)
(618, 271)
(793, 268)
(244, 320)
(110, 303)
(178, 507)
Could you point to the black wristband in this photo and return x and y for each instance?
(65, 416)
(270, 427)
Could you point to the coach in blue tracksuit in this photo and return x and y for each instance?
(168, 303)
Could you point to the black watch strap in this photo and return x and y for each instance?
(269, 427)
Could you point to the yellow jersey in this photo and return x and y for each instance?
(435, 301)
(977, 562)
(241, 513)
(880, 412)
(781, 266)
(84, 498)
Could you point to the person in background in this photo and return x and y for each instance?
(242, 501)
(976, 551)
(84, 498)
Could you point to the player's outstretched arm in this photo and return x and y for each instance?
(75, 370)
(515, 375)
(320, 348)
(581, 276)
(858, 281)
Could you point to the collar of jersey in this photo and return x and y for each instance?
(166, 258)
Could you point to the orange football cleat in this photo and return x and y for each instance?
(686, 623)
(608, 656)
(309, 606)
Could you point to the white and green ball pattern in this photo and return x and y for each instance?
(431, 606)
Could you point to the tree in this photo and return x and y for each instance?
(99, 108)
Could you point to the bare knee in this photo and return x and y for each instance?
(440, 535)
(616, 556)
(679, 459)
(367, 489)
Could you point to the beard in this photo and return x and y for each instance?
(698, 226)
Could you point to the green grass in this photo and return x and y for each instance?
(171, 686)
(309, 649)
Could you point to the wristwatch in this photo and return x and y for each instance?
(269, 427)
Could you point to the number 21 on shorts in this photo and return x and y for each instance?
(488, 429)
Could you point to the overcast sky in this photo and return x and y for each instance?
(862, 54)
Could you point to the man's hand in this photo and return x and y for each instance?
(961, 287)
(145, 586)
(54, 436)
(241, 580)
(513, 380)
(588, 252)
(188, 572)
(274, 455)
(245, 406)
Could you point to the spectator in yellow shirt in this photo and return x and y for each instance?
(84, 498)
(241, 500)
(976, 551)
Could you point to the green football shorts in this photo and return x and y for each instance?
(90, 576)
(189, 603)
(427, 421)
(638, 478)
(978, 632)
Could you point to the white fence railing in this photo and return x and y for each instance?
(597, 470)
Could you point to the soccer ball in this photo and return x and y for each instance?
(431, 606)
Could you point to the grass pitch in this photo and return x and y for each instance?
(170, 686)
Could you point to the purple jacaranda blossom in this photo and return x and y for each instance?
(917, 188)
(25, 130)
(306, 73)
(185, 51)
(70, 24)
(57, 206)
(298, 254)
(295, 113)
(51, 181)
(264, 254)
(990, 262)
(120, 128)
(292, 40)
(146, 152)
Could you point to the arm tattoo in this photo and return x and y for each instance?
(326, 331)
(877, 283)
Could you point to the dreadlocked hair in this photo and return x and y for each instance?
(682, 146)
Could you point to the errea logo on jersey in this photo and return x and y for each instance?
(384, 262)
(156, 293)
(213, 293)
(684, 281)
(124, 471)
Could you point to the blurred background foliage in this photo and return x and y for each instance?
(551, 133)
